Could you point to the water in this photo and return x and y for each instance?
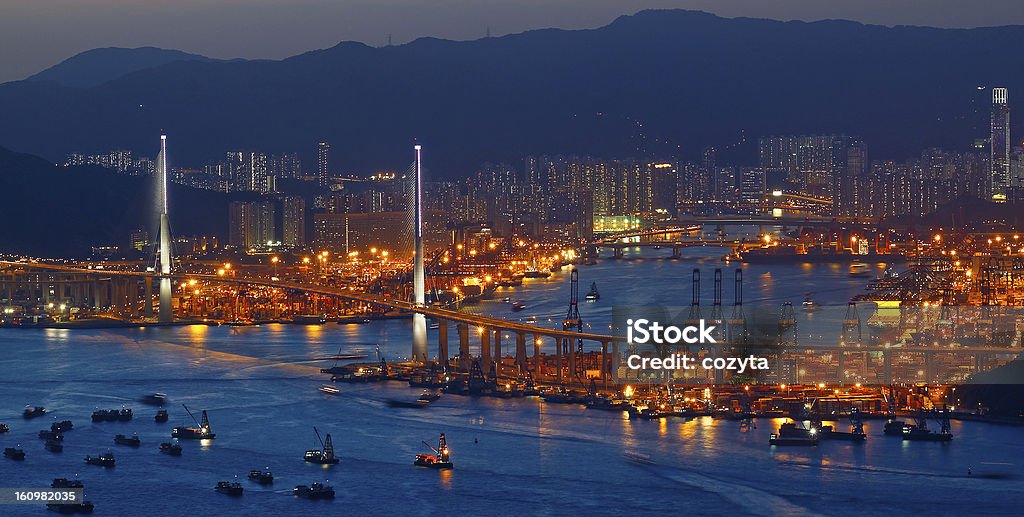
(513, 456)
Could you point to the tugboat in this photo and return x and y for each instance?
(54, 446)
(155, 399)
(68, 508)
(103, 460)
(132, 441)
(229, 488)
(314, 491)
(439, 460)
(63, 426)
(263, 477)
(792, 434)
(33, 412)
(324, 456)
(593, 295)
(200, 432)
(161, 416)
(172, 449)
(14, 454)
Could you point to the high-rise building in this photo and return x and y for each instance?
(323, 156)
(1000, 142)
(251, 223)
(293, 221)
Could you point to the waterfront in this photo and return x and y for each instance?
(512, 456)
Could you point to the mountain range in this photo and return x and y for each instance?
(658, 82)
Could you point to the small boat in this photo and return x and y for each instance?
(809, 305)
(54, 446)
(155, 399)
(330, 389)
(69, 508)
(33, 412)
(61, 427)
(593, 295)
(124, 414)
(66, 483)
(859, 269)
(323, 456)
(531, 319)
(263, 477)
(309, 320)
(103, 460)
(229, 488)
(314, 491)
(131, 441)
(518, 306)
(429, 396)
(112, 415)
(170, 448)
(200, 432)
(4, 428)
(14, 454)
(51, 435)
(161, 416)
(440, 460)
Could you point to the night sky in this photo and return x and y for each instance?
(36, 34)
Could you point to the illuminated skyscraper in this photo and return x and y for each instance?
(323, 155)
(1000, 178)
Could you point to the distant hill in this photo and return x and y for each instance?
(691, 78)
(97, 66)
(57, 211)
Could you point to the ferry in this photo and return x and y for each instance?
(161, 416)
(172, 449)
(201, 432)
(229, 488)
(440, 460)
(263, 477)
(323, 456)
(33, 412)
(593, 295)
(14, 454)
(314, 491)
(131, 441)
(103, 460)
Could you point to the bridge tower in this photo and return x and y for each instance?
(787, 340)
(164, 255)
(738, 321)
(717, 318)
(419, 321)
(573, 321)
